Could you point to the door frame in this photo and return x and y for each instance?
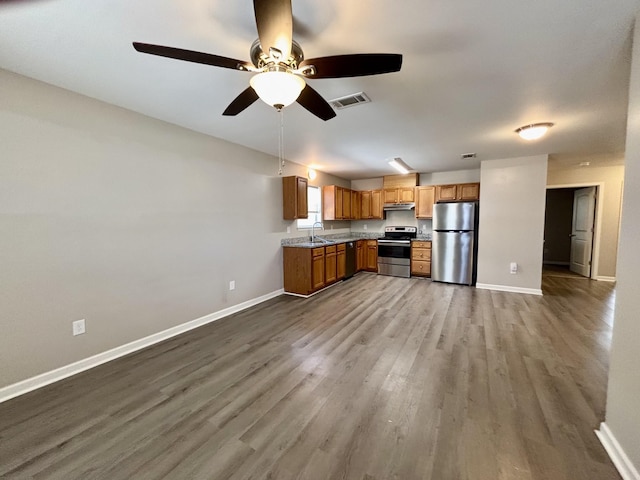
(597, 232)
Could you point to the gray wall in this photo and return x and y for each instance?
(130, 223)
(623, 398)
(558, 217)
(512, 196)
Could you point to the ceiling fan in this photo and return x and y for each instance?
(280, 66)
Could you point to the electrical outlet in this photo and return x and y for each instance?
(78, 327)
(232, 285)
(365, 226)
(288, 229)
(513, 268)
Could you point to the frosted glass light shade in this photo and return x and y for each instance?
(278, 89)
(533, 131)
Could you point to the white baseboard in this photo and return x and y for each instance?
(627, 470)
(33, 383)
(601, 278)
(507, 288)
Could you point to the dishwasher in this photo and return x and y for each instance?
(350, 256)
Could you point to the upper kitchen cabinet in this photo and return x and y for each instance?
(356, 205)
(458, 192)
(294, 198)
(425, 198)
(371, 205)
(336, 203)
(399, 195)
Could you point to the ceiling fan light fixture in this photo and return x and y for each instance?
(534, 131)
(276, 88)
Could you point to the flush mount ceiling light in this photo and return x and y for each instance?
(277, 88)
(534, 131)
(399, 165)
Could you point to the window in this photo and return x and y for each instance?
(314, 205)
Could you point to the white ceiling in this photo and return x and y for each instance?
(473, 72)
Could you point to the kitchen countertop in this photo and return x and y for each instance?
(334, 241)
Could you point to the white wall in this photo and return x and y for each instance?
(130, 223)
(623, 396)
(512, 201)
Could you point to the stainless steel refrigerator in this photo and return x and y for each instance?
(454, 242)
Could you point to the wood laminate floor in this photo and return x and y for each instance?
(376, 378)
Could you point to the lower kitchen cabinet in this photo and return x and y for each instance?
(371, 256)
(330, 265)
(421, 258)
(341, 260)
(361, 255)
(303, 269)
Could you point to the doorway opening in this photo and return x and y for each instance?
(571, 240)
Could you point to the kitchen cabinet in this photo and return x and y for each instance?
(371, 205)
(356, 205)
(304, 269)
(330, 265)
(458, 192)
(421, 258)
(341, 260)
(361, 256)
(371, 256)
(336, 203)
(399, 195)
(294, 198)
(425, 197)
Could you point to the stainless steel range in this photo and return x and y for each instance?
(394, 251)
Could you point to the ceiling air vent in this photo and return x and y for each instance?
(349, 100)
(466, 156)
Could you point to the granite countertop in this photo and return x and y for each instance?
(330, 241)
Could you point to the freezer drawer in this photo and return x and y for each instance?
(452, 257)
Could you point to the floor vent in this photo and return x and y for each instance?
(350, 100)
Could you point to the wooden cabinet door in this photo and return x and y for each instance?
(366, 205)
(376, 205)
(390, 195)
(372, 256)
(406, 195)
(446, 193)
(356, 205)
(341, 261)
(317, 269)
(339, 203)
(425, 196)
(294, 198)
(301, 197)
(330, 265)
(469, 191)
(361, 248)
(346, 204)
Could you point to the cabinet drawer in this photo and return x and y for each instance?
(330, 250)
(342, 247)
(420, 267)
(421, 244)
(421, 254)
(317, 252)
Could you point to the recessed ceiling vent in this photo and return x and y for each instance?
(466, 156)
(350, 100)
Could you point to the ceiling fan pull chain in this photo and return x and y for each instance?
(281, 142)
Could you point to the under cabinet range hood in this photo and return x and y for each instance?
(398, 206)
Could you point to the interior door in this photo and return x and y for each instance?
(584, 207)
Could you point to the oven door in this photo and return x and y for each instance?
(390, 251)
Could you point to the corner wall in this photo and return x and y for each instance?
(622, 430)
(512, 201)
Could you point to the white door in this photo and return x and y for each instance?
(584, 206)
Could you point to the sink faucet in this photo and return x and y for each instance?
(313, 230)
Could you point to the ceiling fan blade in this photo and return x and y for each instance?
(313, 101)
(274, 20)
(191, 56)
(356, 65)
(242, 101)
